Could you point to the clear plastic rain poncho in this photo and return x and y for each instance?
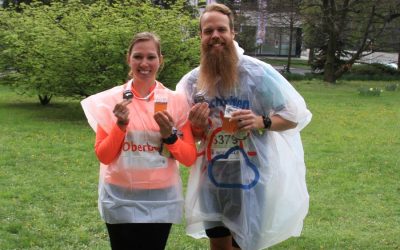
(142, 185)
(254, 183)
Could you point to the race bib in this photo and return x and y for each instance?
(222, 142)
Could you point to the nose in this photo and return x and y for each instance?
(144, 62)
(215, 33)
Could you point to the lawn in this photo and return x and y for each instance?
(49, 173)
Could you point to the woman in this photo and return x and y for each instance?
(140, 191)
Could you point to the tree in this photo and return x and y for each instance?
(74, 49)
(344, 30)
(286, 15)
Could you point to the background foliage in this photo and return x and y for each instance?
(75, 49)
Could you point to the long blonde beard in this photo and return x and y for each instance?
(218, 68)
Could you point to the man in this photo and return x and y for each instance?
(247, 189)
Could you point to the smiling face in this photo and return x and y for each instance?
(216, 33)
(218, 65)
(144, 60)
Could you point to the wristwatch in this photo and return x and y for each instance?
(267, 122)
(170, 139)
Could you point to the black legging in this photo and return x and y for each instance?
(218, 232)
(138, 236)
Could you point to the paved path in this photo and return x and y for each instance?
(294, 70)
(376, 57)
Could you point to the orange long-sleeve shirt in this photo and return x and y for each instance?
(127, 157)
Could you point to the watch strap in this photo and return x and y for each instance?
(170, 139)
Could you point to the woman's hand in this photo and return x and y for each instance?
(165, 122)
(121, 111)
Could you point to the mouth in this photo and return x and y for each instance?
(216, 47)
(144, 72)
(216, 44)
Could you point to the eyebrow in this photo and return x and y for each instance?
(141, 53)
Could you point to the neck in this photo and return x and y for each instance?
(143, 88)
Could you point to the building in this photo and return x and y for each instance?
(264, 26)
(271, 37)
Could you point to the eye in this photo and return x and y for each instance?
(207, 31)
(137, 57)
(152, 57)
(222, 30)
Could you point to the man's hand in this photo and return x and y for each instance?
(198, 118)
(198, 115)
(247, 120)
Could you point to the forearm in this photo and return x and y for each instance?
(183, 152)
(184, 149)
(277, 123)
(108, 146)
(280, 124)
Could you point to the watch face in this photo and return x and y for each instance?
(267, 122)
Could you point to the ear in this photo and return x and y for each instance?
(161, 59)
(128, 59)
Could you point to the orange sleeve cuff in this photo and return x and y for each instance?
(184, 149)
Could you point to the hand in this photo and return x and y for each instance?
(121, 111)
(165, 122)
(247, 120)
(198, 115)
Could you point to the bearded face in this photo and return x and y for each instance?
(218, 67)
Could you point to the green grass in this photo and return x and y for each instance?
(49, 173)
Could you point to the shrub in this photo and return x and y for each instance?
(391, 87)
(364, 91)
(373, 69)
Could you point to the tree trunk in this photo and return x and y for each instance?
(329, 67)
(45, 99)
(291, 21)
(311, 55)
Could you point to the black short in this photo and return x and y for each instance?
(219, 232)
(138, 236)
